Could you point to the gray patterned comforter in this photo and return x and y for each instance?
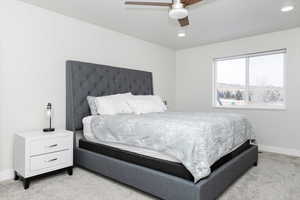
(197, 140)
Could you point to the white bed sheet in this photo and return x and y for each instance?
(90, 136)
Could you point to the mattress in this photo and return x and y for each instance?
(88, 135)
(121, 129)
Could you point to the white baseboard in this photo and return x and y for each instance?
(6, 174)
(285, 151)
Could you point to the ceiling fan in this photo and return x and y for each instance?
(177, 10)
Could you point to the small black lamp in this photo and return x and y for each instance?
(49, 114)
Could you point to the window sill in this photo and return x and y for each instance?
(270, 108)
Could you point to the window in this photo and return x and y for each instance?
(250, 81)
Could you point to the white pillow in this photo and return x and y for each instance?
(113, 104)
(146, 104)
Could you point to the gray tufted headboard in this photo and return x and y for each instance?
(86, 79)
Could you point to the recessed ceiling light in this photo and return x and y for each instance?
(287, 8)
(181, 33)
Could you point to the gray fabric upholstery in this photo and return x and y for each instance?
(86, 79)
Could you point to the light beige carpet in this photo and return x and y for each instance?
(277, 177)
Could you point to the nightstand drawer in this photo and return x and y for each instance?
(50, 145)
(50, 160)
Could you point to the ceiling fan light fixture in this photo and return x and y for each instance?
(178, 11)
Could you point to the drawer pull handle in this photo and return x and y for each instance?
(53, 145)
(51, 160)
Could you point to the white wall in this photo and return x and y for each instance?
(276, 130)
(34, 45)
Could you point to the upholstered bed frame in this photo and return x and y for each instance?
(83, 79)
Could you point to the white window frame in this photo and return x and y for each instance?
(247, 57)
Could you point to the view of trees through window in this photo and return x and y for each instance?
(250, 81)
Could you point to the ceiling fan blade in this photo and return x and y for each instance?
(147, 3)
(184, 21)
(190, 2)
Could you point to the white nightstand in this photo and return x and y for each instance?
(37, 153)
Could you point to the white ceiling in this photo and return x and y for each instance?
(211, 21)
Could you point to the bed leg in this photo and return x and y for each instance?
(255, 164)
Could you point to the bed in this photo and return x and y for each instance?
(158, 176)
